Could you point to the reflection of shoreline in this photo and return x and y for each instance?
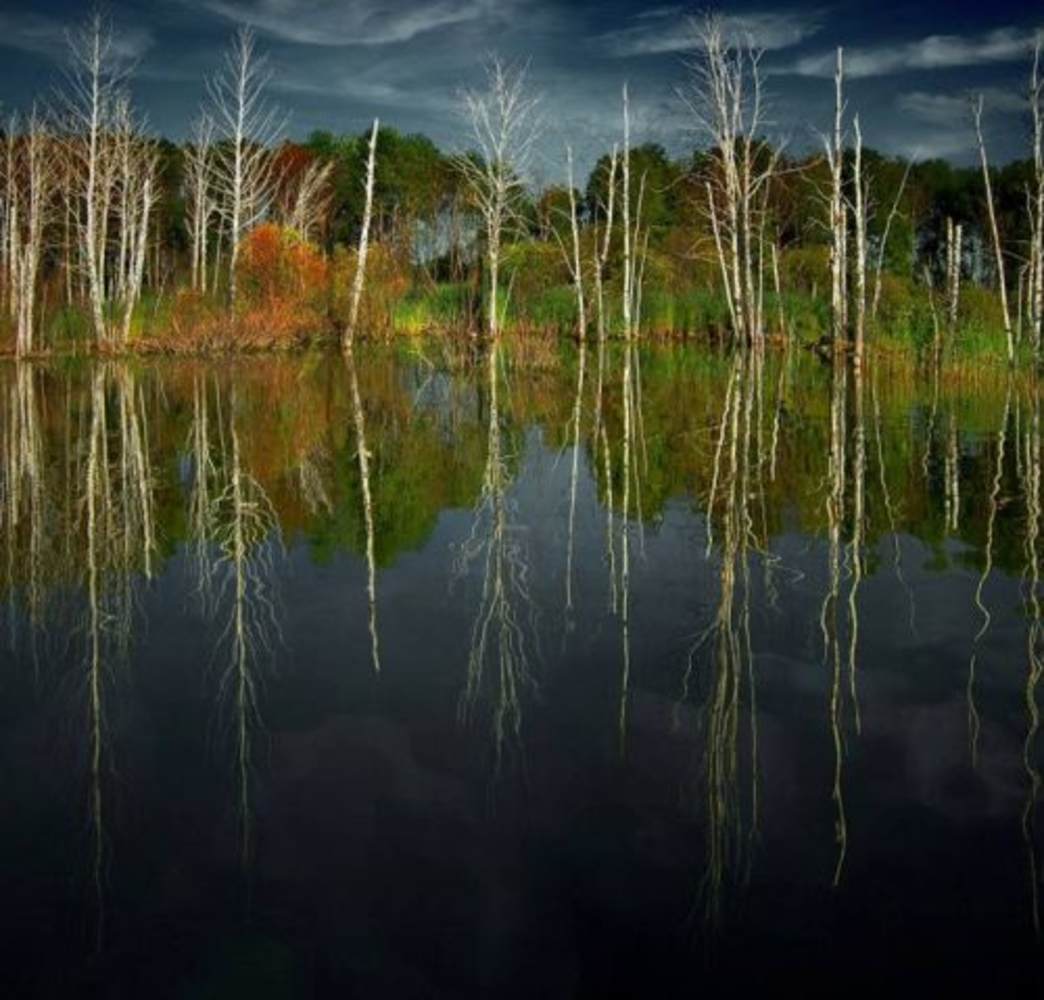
(128, 520)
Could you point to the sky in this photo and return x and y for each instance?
(337, 64)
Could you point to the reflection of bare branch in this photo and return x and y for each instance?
(828, 619)
(889, 508)
(121, 542)
(363, 456)
(1034, 647)
(727, 640)
(201, 500)
(629, 424)
(245, 529)
(24, 491)
(96, 461)
(574, 476)
(952, 478)
(991, 520)
(499, 636)
(855, 548)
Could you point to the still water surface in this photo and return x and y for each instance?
(633, 675)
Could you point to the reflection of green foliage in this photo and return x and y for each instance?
(415, 476)
(428, 454)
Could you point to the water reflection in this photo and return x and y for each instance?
(499, 652)
(1029, 477)
(363, 456)
(817, 584)
(731, 741)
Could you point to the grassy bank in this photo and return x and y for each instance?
(906, 322)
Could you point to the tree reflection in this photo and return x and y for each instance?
(25, 512)
(245, 534)
(730, 788)
(115, 498)
(500, 639)
(1030, 477)
(363, 456)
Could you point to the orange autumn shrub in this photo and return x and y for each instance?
(283, 287)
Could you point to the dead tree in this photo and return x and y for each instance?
(575, 261)
(311, 200)
(1036, 263)
(859, 217)
(998, 249)
(248, 126)
(93, 86)
(837, 220)
(504, 125)
(953, 275)
(32, 176)
(724, 95)
(199, 166)
(364, 241)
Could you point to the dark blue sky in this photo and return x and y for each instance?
(337, 63)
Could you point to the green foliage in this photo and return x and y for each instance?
(432, 309)
(70, 327)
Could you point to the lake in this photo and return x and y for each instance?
(423, 674)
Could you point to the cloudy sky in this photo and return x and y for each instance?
(338, 63)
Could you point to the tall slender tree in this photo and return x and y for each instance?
(724, 95)
(505, 124)
(248, 127)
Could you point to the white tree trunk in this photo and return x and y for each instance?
(364, 239)
(994, 230)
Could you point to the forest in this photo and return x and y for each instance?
(114, 239)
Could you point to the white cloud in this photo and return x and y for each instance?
(946, 109)
(49, 36)
(343, 23)
(668, 29)
(934, 52)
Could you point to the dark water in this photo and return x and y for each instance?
(358, 678)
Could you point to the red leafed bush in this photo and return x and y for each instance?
(283, 285)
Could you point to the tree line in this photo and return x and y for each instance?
(111, 236)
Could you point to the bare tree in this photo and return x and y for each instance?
(505, 126)
(837, 220)
(953, 275)
(574, 260)
(135, 180)
(724, 95)
(311, 200)
(249, 126)
(111, 180)
(601, 251)
(30, 190)
(883, 246)
(364, 240)
(998, 250)
(1036, 268)
(634, 248)
(94, 84)
(199, 166)
(9, 219)
(859, 217)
